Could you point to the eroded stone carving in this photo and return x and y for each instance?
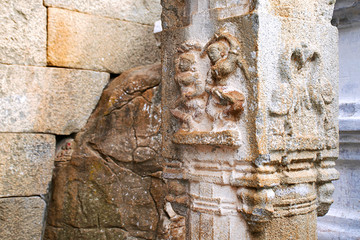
(300, 101)
(191, 105)
(225, 101)
(107, 181)
(210, 103)
(295, 178)
(64, 151)
(269, 79)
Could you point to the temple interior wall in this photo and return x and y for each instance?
(57, 56)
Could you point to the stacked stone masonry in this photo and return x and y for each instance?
(234, 136)
(48, 100)
(56, 57)
(23, 32)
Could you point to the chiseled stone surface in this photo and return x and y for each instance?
(269, 74)
(146, 12)
(107, 183)
(78, 40)
(23, 32)
(21, 218)
(47, 100)
(26, 161)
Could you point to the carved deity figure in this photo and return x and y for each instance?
(190, 107)
(303, 94)
(210, 102)
(225, 102)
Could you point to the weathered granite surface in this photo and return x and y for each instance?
(79, 40)
(47, 100)
(249, 113)
(21, 218)
(145, 12)
(108, 181)
(26, 161)
(23, 32)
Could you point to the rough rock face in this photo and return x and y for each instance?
(107, 182)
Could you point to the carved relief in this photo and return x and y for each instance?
(295, 178)
(210, 103)
(225, 101)
(64, 151)
(300, 101)
(190, 107)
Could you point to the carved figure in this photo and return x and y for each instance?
(224, 53)
(64, 151)
(210, 104)
(225, 101)
(303, 94)
(190, 107)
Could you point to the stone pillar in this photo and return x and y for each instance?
(250, 116)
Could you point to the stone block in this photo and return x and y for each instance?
(84, 41)
(146, 12)
(23, 32)
(21, 218)
(26, 162)
(47, 100)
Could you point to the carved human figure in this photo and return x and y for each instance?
(190, 107)
(225, 102)
(302, 92)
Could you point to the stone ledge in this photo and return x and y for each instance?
(26, 161)
(338, 228)
(47, 100)
(78, 40)
(227, 138)
(346, 13)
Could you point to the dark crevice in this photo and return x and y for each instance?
(20, 196)
(59, 138)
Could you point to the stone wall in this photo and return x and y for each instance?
(56, 57)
